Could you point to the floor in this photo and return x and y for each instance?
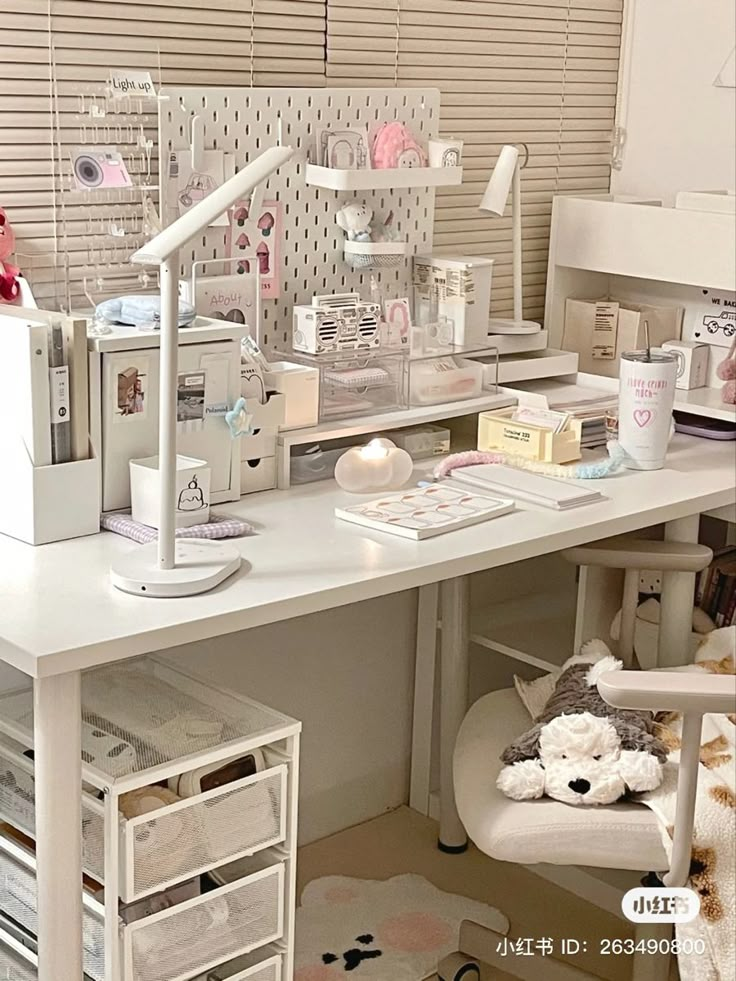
(405, 841)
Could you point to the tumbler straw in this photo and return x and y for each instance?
(646, 340)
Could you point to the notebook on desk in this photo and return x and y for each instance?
(521, 485)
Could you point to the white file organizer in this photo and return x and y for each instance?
(208, 345)
(34, 498)
(252, 821)
(243, 121)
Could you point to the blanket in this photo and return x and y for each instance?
(713, 864)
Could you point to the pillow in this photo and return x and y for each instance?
(138, 311)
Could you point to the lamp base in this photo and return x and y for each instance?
(201, 565)
(513, 327)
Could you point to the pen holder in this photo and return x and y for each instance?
(498, 431)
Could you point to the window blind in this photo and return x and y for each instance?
(539, 72)
(181, 42)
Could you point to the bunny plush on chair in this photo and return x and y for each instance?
(580, 749)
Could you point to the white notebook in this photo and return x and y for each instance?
(426, 511)
(525, 486)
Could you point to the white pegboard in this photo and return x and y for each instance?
(245, 121)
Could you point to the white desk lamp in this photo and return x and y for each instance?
(505, 180)
(183, 567)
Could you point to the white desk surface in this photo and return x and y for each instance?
(59, 611)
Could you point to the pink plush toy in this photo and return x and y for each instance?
(726, 371)
(9, 285)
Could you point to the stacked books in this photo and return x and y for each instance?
(716, 589)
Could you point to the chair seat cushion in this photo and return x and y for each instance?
(619, 836)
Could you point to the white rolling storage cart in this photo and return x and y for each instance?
(202, 886)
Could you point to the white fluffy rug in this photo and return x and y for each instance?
(397, 930)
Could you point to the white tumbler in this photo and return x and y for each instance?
(646, 398)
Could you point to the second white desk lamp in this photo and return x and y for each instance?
(183, 567)
(506, 180)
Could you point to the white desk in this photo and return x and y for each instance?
(60, 614)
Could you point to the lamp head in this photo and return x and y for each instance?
(499, 186)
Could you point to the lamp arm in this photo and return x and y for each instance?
(178, 233)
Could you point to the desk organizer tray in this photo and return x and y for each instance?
(126, 749)
(498, 431)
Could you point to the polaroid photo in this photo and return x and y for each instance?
(131, 390)
(190, 396)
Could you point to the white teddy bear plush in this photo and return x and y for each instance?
(582, 750)
(355, 219)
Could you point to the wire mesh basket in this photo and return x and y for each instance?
(374, 255)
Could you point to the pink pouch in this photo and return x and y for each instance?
(394, 146)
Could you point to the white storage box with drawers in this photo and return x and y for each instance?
(124, 376)
(146, 724)
(258, 451)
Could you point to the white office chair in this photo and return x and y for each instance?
(621, 836)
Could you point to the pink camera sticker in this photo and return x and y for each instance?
(99, 168)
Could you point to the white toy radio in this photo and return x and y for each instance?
(338, 322)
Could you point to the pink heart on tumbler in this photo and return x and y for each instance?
(642, 417)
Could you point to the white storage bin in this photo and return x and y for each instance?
(186, 838)
(185, 940)
(257, 475)
(300, 385)
(192, 491)
(18, 806)
(18, 899)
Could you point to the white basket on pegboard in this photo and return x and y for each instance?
(374, 255)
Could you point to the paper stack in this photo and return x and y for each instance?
(589, 405)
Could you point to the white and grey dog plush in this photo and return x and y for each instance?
(580, 749)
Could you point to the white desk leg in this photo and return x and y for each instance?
(57, 728)
(455, 611)
(424, 683)
(677, 597)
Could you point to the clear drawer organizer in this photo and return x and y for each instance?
(144, 724)
(355, 383)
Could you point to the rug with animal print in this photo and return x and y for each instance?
(395, 930)
(713, 862)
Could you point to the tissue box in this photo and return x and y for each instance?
(692, 363)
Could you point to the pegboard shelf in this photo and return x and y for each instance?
(371, 180)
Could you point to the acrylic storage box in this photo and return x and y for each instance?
(446, 373)
(498, 431)
(422, 442)
(355, 384)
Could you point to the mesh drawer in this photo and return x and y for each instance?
(183, 941)
(207, 830)
(15, 968)
(18, 807)
(18, 901)
(249, 968)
